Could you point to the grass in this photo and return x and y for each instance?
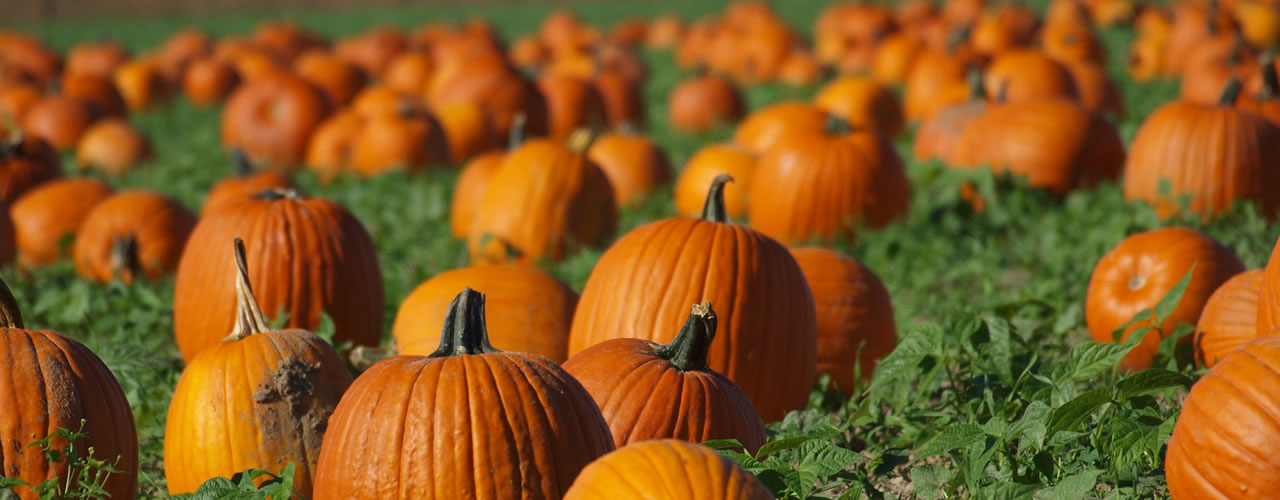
(993, 351)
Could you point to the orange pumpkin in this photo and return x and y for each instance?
(284, 39)
(623, 101)
(669, 469)
(23, 53)
(937, 137)
(767, 317)
(378, 99)
(664, 32)
(208, 81)
(338, 79)
(1211, 64)
(409, 72)
(410, 141)
(1259, 22)
(894, 58)
(58, 120)
(572, 103)
(1094, 88)
(540, 425)
(374, 51)
(1229, 318)
(765, 127)
(700, 172)
(490, 82)
(113, 146)
(862, 103)
(95, 58)
(132, 235)
(247, 182)
(141, 85)
(704, 102)
(51, 212)
(96, 92)
(634, 164)
(466, 130)
(855, 315)
(24, 163)
(1140, 271)
(936, 80)
(529, 310)
(330, 147)
(1027, 75)
(271, 117)
(650, 391)
(16, 99)
(800, 69)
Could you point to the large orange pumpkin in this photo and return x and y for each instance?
(1229, 319)
(132, 235)
(331, 268)
(669, 469)
(822, 185)
(532, 425)
(701, 103)
(634, 164)
(261, 398)
(1139, 271)
(53, 383)
(572, 103)
(765, 127)
(1027, 75)
(47, 214)
(1228, 424)
(767, 311)
(530, 311)
(855, 315)
(545, 201)
(1216, 155)
(271, 117)
(651, 391)
(863, 103)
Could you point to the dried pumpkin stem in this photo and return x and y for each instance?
(1270, 82)
(713, 209)
(515, 136)
(464, 330)
(124, 257)
(837, 125)
(243, 166)
(249, 318)
(10, 316)
(977, 90)
(580, 140)
(1230, 92)
(688, 351)
(273, 194)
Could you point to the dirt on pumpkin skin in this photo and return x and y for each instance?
(293, 383)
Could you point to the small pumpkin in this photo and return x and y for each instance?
(701, 103)
(765, 127)
(56, 383)
(572, 103)
(700, 172)
(1211, 64)
(1229, 318)
(374, 51)
(247, 182)
(473, 181)
(410, 140)
(208, 81)
(16, 99)
(856, 327)
(894, 57)
(141, 85)
(1227, 417)
(338, 79)
(466, 129)
(271, 117)
(863, 103)
(285, 40)
(59, 120)
(938, 79)
(96, 92)
(113, 146)
(330, 147)
(259, 399)
(24, 163)
(1139, 271)
(545, 200)
(1027, 75)
(30, 56)
(95, 58)
(409, 72)
(334, 270)
(622, 97)
(664, 32)
(1094, 89)
(132, 235)
(650, 391)
(529, 310)
(550, 428)
(800, 69)
(49, 213)
(490, 82)
(768, 316)
(378, 99)
(634, 164)
(666, 468)
(937, 137)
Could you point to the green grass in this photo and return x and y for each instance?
(988, 305)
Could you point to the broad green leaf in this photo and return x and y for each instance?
(1069, 416)
(788, 443)
(723, 444)
(1076, 486)
(902, 363)
(928, 480)
(1170, 301)
(1088, 359)
(953, 437)
(1149, 381)
(1008, 491)
(999, 349)
(824, 458)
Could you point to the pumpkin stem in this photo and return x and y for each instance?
(249, 320)
(1270, 81)
(977, 91)
(363, 356)
(274, 194)
(10, 316)
(580, 140)
(1003, 93)
(713, 209)
(628, 127)
(958, 36)
(688, 351)
(1237, 47)
(464, 331)
(1230, 92)
(124, 257)
(9, 148)
(515, 137)
(837, 125)
(244, 167)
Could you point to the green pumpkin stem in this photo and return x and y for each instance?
(977, 88)
(688, 351)
(464, 331)
(515, 136)
(249, 320)
(958, 36)
(10, 316)
(243, 166)
(837, 125)
(1230, 92)
(713, 209)
(124, 257)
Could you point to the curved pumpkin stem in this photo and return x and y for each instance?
(274, 194)
(464, 331)
(688, 351)
(244, 167)
(837, 125)
(580, 140)
(10, 316)
(713, 209)
(249, 318)
(124, 257)
(1230, 92)
(515, 136)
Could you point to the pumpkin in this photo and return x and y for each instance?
(664, 32)
(894, 57)
(1094, 89)
(132, 235)
(855, 315)
(820, 185)
(1140, 271)
(377, 99)
(30, 56)
(329, 149)
(466, 130)
(1027, 75)
(937, 137)
(767, 307)
(1211, 64)
(1216, 155)
(863, 103)
(247, 182)
(58, 120)
(622, 98)
(692, 49)
(261, 398)
(1266, 102)
(1259, 22)
(141, 85)
(1268, 300)
(528, 52)
(284, 39)
(182, 49)
(113, 146)
(490, 82)
(1229, 318)
(409, 140)
(547, 428)
(1193, 26)
(761, 53)
(572, 103)
(8, 245)
(1227, 420)
(98, 93)
(938, 79)
(409, 72)
(1055, 143)
(1069, 42)
(669, 469)
(47, 214)
(766, 126)
(208, 81)
(336, 78)
(700, 172)
(334, 270)
(650, 391)
(846, 35)
(800, 69)
(16, 99)
(530, 311)
(374, 51)
(95, 58)
(24, 163)
(271, 117)
(473, 181)
(1146, 59)
(544, 201)
(562, 30)
(252, 62)
(634, 164)
(701, 103)
(56, 383)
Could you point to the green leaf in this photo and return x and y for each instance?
(952, 438)
(823, 458)
(902, 363)
(1076, 486)
(928, 480)
(787, 443)
(1149, 381)
(723, 444)
(1008, 491)
(999, 349)
(1088, 359)
(1170, 301)
(1070, 415)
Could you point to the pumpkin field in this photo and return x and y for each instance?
(917, 249)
